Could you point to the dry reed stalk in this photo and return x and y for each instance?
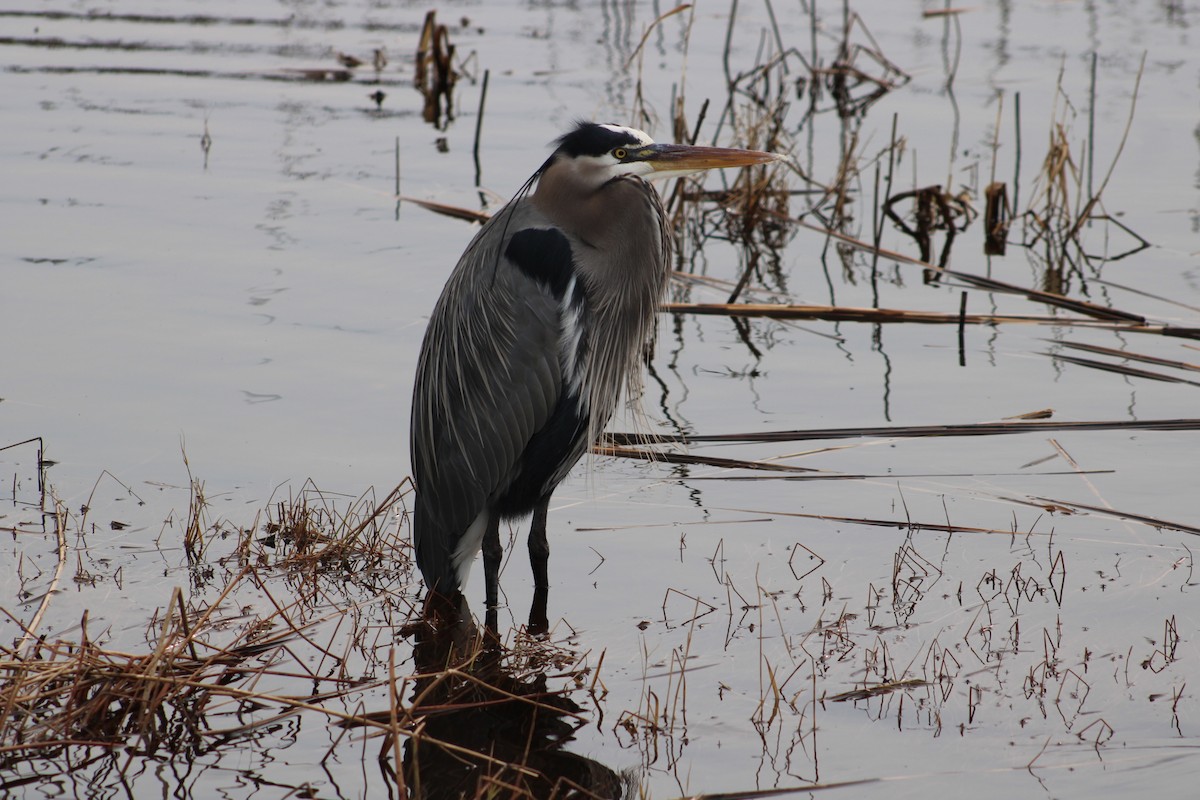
(996, 219)
(1003, 427)
(1126, 354)
(1121, 369)
(197, 521)
(1145, 519)
(687, 458)
(875, 690)
(60, 532)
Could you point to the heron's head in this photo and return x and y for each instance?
(598, 153)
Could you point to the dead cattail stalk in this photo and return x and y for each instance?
(434, 74)
(995, 219)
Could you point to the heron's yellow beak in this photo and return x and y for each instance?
(674, 160)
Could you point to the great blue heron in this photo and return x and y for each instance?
(536, 332)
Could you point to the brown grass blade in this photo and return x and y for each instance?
(1121, 369)
(688, 458)
(903, 524)
(1145, 359)
(1154, 522)
(867, 692)
(758, 794)
(877, 476)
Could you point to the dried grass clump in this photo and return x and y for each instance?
(62, 694)
(311, 621)
(315, 533)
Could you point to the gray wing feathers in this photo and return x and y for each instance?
(487, 380)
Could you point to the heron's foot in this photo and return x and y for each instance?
(444, 610)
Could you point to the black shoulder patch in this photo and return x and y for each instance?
(543, 254)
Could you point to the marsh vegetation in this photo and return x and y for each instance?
(908, 502)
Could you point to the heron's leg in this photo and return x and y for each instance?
(538, 623)
(492, 553)
(539, 548)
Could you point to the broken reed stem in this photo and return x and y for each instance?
(397, 167)
(729, 82)
(1091, 151)
(1131, 356)
(658, 457)
(478, 129)
(962, 328)
(996, 135)
(887, 193)
(1016, 197)
(394, 702)
(60, 531)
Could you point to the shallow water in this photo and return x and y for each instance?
(259, 306)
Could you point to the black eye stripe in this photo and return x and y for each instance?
(590, 139)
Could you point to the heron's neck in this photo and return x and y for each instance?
(574, 201)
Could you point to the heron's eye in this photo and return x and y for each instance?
(620, 153)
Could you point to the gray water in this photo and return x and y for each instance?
(257, 304)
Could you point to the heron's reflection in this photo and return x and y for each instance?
(481, 723)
